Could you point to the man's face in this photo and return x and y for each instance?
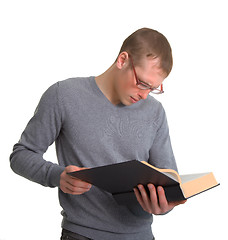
(148, 72)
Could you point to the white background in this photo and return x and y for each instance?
(43, 42)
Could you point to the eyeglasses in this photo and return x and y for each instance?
(144, 86)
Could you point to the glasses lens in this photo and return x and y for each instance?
(157, 91)
(142, 86)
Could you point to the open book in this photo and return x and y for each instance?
(120, 179)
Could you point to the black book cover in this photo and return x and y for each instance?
(120, 179)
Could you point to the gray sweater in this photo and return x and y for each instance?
(89, 131)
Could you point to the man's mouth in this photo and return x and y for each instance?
(134, 100)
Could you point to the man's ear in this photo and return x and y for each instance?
(122, 60)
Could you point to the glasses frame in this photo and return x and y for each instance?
(144, 86)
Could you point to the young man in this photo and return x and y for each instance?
(101, 120)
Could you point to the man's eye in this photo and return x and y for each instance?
(143, 84)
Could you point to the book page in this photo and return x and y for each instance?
(174, 175)
(168, 172)
(196, 183)
(190, 177)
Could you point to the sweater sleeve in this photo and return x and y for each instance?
(41, 131)
(161, 153)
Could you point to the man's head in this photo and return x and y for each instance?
(144, 61)
(145, 57)
(149, 43)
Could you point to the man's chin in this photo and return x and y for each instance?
(127, 102)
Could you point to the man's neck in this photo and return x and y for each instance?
(106, 83)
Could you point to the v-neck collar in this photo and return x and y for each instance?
(101, 94)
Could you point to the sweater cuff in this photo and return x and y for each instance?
(54, 178)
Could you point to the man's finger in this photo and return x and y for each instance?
(139, 197)
(145, 198)
(154, 199)
(78, 183)
(69, 188)
(163, 203)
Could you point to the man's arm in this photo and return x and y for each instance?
(41, 131)
(161, 152)
(161, 156)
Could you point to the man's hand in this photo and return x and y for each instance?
(154, 204)
(71, 185)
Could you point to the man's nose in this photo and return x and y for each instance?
(143, 94)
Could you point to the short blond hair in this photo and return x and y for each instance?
(146, 42)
